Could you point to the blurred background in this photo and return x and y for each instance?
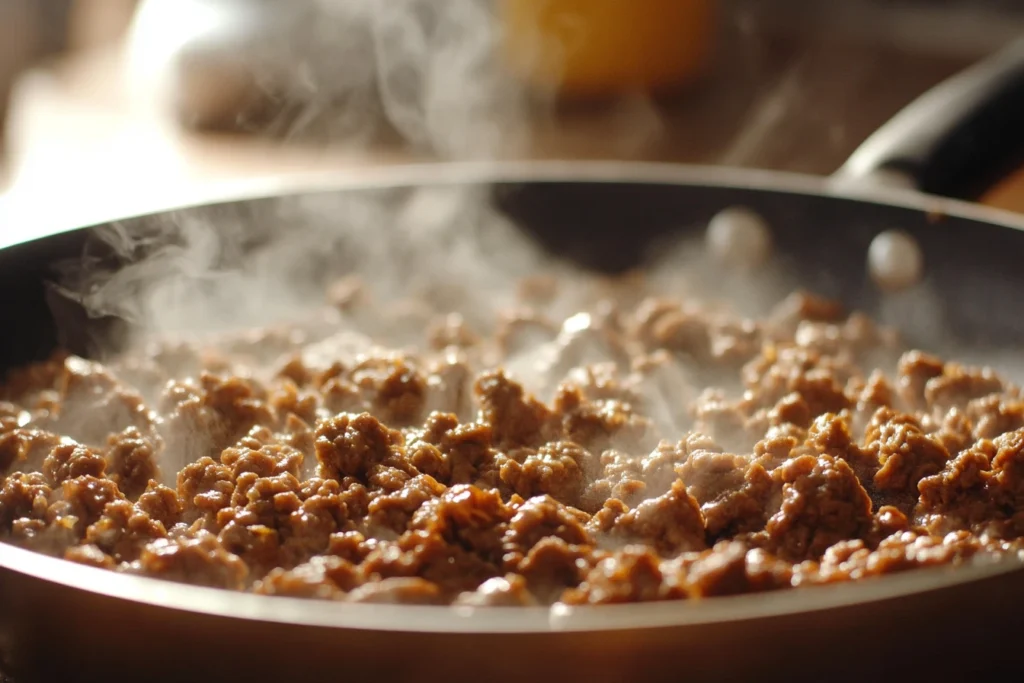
(109, 105)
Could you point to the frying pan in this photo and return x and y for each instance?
(60, 621)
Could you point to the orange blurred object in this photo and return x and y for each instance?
(606, 47)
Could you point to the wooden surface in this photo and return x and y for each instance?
(80, 144)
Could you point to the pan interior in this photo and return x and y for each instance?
(968, 302)
(966, 306)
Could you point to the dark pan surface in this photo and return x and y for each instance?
(954, 624)
(609, 223)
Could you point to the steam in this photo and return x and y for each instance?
(216, 276)
(430, 71)
(425, 74)
(230, 269)
(421, 254)
(341, 71)
(440, 83)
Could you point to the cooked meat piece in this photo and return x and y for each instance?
(322, 577)
(161, 503)
(354, 446)
(731, 568)
(556, 469)
(132, 461)
(516, 418)
(501, 591)
(551, 566)
(204, 488)
(394, 510)
(123, 530)
(410, 591)
(468, 517)
(199, 559)
(542, 517)
(905, 456)
(70, 460)
(24, 450)
(670, 523)
(91, 556)
(631, 575)
(822, 503)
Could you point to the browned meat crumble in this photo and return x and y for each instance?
(679, 455)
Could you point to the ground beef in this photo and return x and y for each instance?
(670, 523)
(552, 566)
(70, 460)
(556, 469)
(204, 488)
(93, 403)
(455, 453)
(523, 330)
(24, 497)
(667, 324)
(408, 591)
(732, 568)
(822, 503)
(328, 577)
(603, 423)
(123, 530)
(539, 518)
(452, 330)
(89, 555)
(161, 503)
(633, 575)
(395, 509)
(396, 390)
(26, 449)
(905, 456)
(131, 460)
(355, 446)
(669, 452)
(200, 559)
(468, 517)
(500, 591)
(516, 419)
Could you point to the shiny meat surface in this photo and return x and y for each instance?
(631, 452)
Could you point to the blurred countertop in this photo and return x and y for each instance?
(81, 147)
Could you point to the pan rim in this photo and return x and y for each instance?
(20, 229)
(318, 613)
(163, 594)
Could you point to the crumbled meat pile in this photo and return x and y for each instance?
(680, 454)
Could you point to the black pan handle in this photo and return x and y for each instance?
(956, 140)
